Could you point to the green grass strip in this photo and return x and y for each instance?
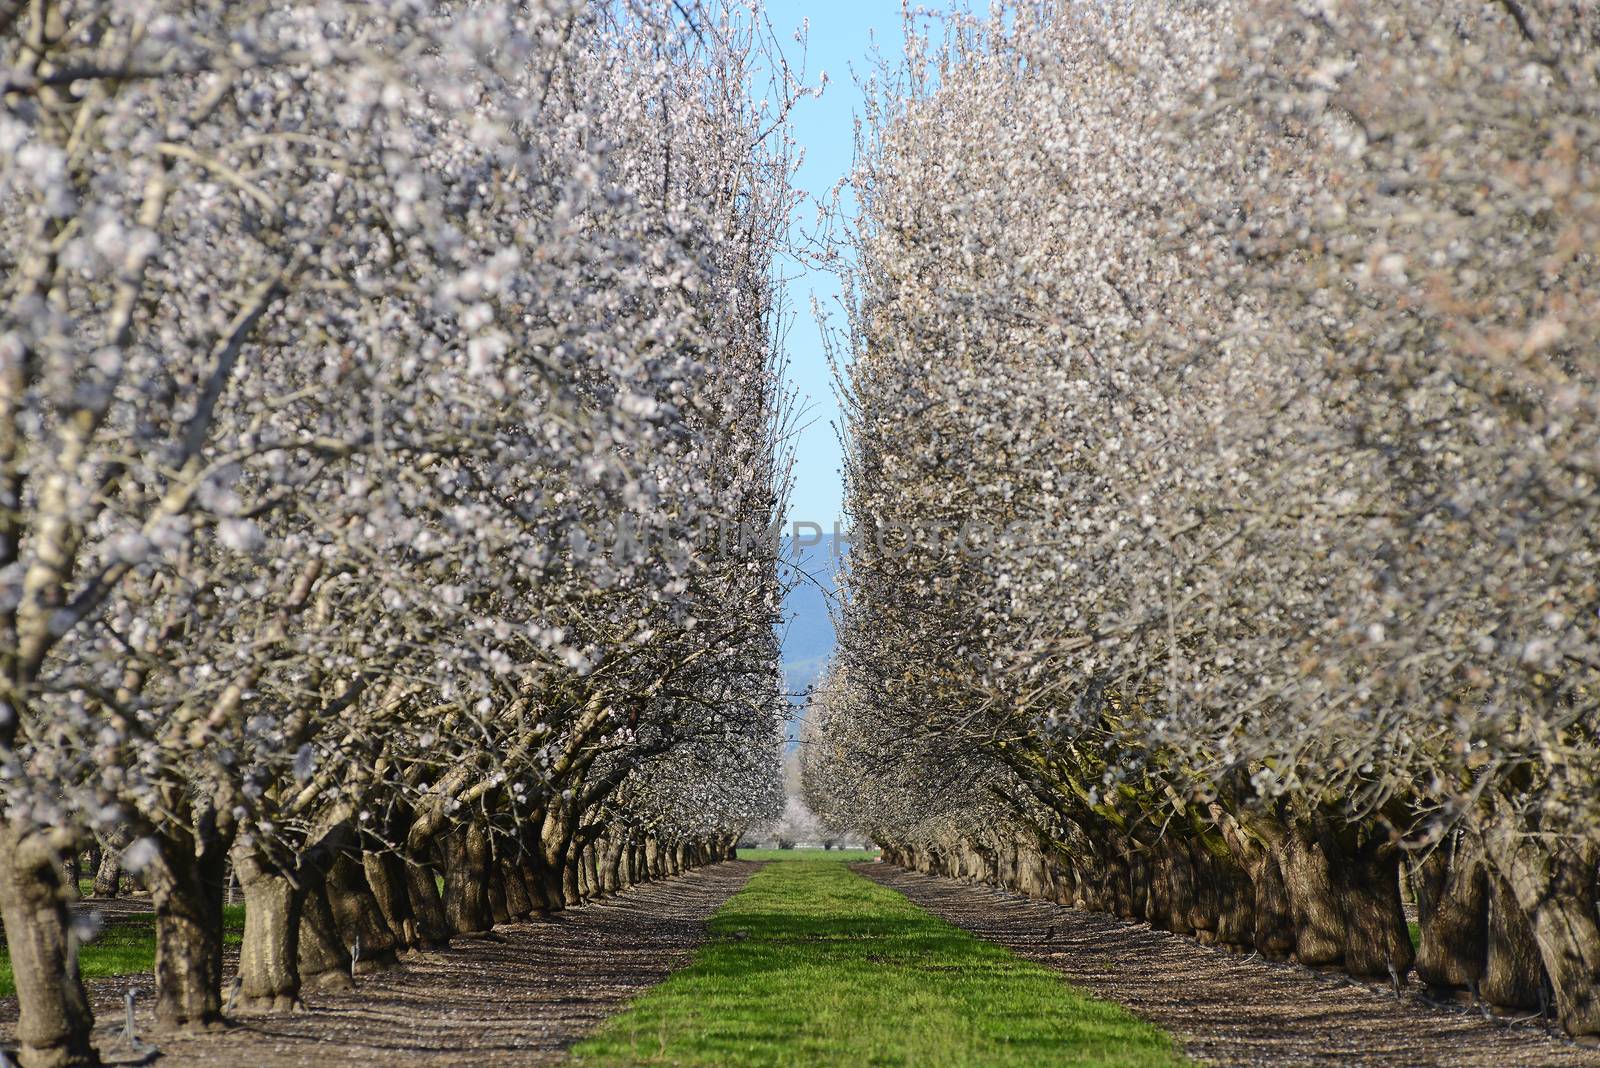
(812, 964)
(126, 946)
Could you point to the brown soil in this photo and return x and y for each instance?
(112, 909)
(519, 998)
(1228, 1009)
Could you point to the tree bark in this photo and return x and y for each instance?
(186, 886)
(1176, 871)
(1377, 941)
(108, 873)
(1555, 887)
(591, 871)
(652, 858)
(427, 907)
(54, 1024)
(519, 903)
(1513, 975)
(1205, 902)
(586, 885)
(72, 869)
(499, 906)
(386, 877)
(1257, 847)
(269, 966)
(1158, 888)
(1115, 895)
(569, 879)
(1429, 876)
(324, 958)
(1139, 875)
(1275, 936)
(611, 871)
(544, 882)
(1234, 897)
(359, 917)
(466, 880)
(1314, 898)
(632, 864)
(1453, 904)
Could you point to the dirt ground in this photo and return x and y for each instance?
(524, 997)
(519, 999)
(1228, 1009)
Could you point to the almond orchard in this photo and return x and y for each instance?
(398, 418)
(1224, 434)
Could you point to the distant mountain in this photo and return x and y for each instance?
(807, 628)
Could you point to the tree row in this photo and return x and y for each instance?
(1222, 474)
(379, 387)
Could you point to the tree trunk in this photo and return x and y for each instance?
(427, 907)
(386, 877)
(1555, 886)
(1176, 870)
(269, 966)
(1257, 846)
(499, 908)
(581, 863)
(519, 903)
(1234, 897)
(1204, 904)
(1139, 875)
(1115, 896)
(1158, 890)
(1030, 869)
(569, 880)
(1513, 975)
(1429, 877)
(186, 890)
(466, 880)
(652, 858)
(54, 1023)
(1314, 898)
(324, 958)
(611, 871)
(1377, 942)
(1453, 905)
(544, 882)
(360, 919)
(108, 873)
(591, 870)
(92, 862)
(72, 869)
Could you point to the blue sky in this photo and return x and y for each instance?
(841, 38)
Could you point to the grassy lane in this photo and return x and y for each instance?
(810, 964)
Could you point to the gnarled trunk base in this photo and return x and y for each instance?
(54, 1022)
(269, 966)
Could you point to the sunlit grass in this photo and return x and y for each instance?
(126, 946)
(807, 854)
(812, 964)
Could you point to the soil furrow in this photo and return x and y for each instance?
(520, 998)
(1228, 1009)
